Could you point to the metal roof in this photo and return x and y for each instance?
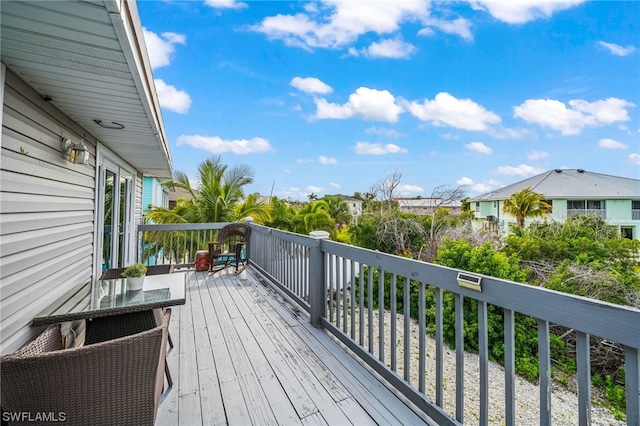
(570, 184)
(427, 202)
(90, 59)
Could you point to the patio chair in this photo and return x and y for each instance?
(114, 273)
(115, 382)
(229, 249)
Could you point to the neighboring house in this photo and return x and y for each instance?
(355, 205)
(426, 206)
(175, 194)
(571, 192)
(81, 126)
(154, 194)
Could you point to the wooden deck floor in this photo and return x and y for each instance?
(244, 356)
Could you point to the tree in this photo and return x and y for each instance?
(219, 196)
(338, 209)
(314, 217)
(526, 203)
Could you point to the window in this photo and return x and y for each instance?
(595, 204)
(580, 207)
(626, 232)
(575, 204)
(477, 207)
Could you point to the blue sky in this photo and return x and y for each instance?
(332, 96)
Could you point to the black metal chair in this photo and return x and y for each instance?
(230, 249)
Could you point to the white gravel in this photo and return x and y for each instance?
(564, 403)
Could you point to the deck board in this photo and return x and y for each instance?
(243, 355)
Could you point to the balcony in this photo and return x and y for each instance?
(579, 212)
(296, 338)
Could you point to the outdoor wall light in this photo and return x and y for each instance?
(77, 153)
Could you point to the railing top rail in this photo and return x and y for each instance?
(181, 226)
(285, 235)
(614, 322)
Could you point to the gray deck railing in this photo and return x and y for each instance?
(335, 283)
(175, 244)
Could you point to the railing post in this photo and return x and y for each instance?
(249, 221)
(317, 296)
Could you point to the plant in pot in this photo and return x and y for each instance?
(135, 276)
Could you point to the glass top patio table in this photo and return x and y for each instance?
(111, 297)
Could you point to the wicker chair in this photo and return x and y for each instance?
(117, 382)
(229, 249)
(115, 273)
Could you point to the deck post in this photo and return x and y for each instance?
(249, 221)
(317, 295)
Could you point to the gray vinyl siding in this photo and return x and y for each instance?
(46, 211)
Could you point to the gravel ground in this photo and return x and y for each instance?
(564, 403)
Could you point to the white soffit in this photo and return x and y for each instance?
(89, 57)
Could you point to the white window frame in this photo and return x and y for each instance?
(105, 158)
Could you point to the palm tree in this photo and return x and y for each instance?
(338, 209)
(218, 197)
(526, 203)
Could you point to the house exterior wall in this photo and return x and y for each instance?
(618, 213)
(153, 193)
(47, 211)
(619, 210)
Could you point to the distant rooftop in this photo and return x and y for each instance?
(570, 184)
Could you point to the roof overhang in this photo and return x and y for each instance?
(90, 59)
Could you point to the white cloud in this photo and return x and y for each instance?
(537, 155)
(521, 11)
(390, 48)
(335, 24)
(616, 49)
(327, 160)
(218, 145)
(450, 136)
(464, 181)
(634, 158)
(312, 188)
(478, 187)
(381, 131)
(310, 85)
(403, 189)
(225, 4)
(459, 113)
(611, 144)
(572, 118)
(479, 147)
(521, 170)
(304, 160)
(367, 104)
(335, 185)
(459, 26)
(366, 148)
(171, 98)
(161, 49)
